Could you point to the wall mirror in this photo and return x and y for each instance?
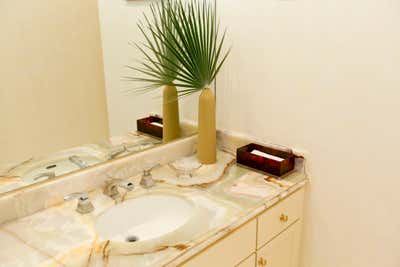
(64, 104)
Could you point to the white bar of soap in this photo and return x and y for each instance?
(157, 124)
(265, 155)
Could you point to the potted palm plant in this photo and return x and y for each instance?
(159, 66)
(188, 31)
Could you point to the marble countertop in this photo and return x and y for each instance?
(16, 175)
(59, 236)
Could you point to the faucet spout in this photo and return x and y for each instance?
(49, 175)
(111, 188)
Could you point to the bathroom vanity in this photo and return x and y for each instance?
(270, 239)
(235, 217)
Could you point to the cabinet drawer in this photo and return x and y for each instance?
(279, 217)
(249, 262)
(229, 251)
(283, 250)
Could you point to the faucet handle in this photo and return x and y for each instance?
(84, 204)
(115, 152)
(147, 179)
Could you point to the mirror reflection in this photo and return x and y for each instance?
(64, 102)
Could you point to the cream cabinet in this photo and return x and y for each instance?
(282, 251)
(229, 251)
(270, 240)
(279, 217)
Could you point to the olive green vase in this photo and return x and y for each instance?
(207, 142)
(171, 127)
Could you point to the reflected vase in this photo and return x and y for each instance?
(171, 127)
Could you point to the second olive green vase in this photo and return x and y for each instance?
(207, 142)
(171, 127)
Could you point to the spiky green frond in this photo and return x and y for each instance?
(183, 48)
(158, 66)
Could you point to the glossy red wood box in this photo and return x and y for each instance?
(144, 125)
(271, 166)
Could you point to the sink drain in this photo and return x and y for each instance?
(131, 239)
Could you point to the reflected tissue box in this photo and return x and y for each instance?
(151, 125)
(266, 159)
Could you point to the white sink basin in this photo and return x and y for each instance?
(144, 218)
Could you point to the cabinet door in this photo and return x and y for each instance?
(283, 250)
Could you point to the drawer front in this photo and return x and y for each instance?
(229, 251)
(249, 262)
(279, 217)
(283, 250)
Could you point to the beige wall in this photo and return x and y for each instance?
(324, 76)
(51, 77)
(118, 21)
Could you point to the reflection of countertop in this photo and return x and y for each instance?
(59, 236)
(17, 175)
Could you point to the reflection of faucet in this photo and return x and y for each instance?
(49, 175)
(116, 153)
(7, 173)
(78, 162)
(84, 204)
(138, 147)
(111, 188)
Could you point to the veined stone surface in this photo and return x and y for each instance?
(59, 236)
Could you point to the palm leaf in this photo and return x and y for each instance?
(161, 63)
(181, 46)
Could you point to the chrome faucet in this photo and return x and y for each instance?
(111, 188)
(147, 180)
(84, 204)
(78, 162)
(49, 175)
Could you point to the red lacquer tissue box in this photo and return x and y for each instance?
(266, 159)
(151, 125)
